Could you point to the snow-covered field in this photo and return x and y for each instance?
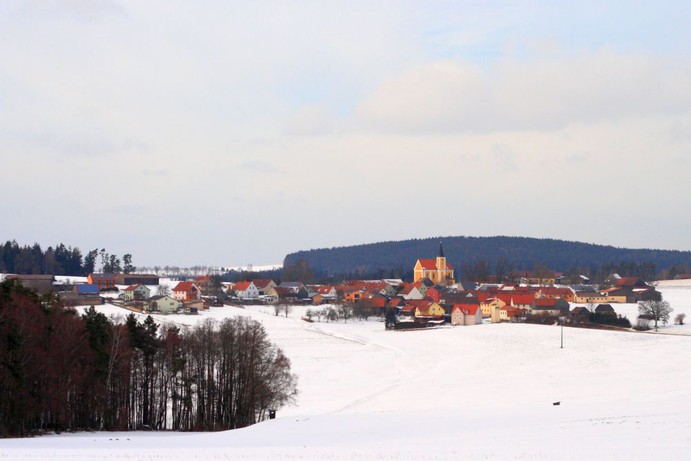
(481, 392)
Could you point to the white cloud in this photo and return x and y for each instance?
(352, 114)
(455, 96)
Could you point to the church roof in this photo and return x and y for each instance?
(431, 264)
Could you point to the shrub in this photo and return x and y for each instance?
(605, 319)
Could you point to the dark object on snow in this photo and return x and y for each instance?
(556, 403)
(272, 414)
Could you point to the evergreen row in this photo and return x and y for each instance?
(61, 260)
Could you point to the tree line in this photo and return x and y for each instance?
(61, 371)
(482, 270)
(60, 260)
(468, 253)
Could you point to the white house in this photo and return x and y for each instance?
(327, 292)
(246, 290)
(137, 291)
(164, 304)
(410, 291)
(466, 314)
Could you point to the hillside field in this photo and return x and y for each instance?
(478, 392)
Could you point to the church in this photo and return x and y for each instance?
(437, 270)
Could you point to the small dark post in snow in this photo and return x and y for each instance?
(272, 414)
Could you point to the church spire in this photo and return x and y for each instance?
(441, 250)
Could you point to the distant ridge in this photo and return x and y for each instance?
(523, 253)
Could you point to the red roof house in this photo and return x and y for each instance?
(187, 291)
(466, 314)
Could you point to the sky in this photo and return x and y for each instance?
(231, 132)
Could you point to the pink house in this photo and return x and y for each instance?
(187, 291)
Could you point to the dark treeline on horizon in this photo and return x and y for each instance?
(482, 271)
(476, 257)
(61, 260)
(61, 371)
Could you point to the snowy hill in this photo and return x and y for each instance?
(480, 392)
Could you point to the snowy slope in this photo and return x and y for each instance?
(481, 392)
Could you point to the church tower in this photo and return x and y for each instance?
(441, 259)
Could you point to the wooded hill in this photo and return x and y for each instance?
(396, 259)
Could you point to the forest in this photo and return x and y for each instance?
(60, 371)
(61, 260)
(486, 255)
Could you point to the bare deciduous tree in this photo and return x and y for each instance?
(331, 314)
(658, 311)
(363, 310)
(345, 310)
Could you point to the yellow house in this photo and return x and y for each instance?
(590, 297)
(490, 305)
(507, 313)
(430, 310)
(437, 270)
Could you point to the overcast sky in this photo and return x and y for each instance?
(229, 132)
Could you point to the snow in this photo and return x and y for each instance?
(673, 283)
(677, 294)
(254, 268)
(64, 279)
(476, 392)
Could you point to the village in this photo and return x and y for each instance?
(432, 298)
